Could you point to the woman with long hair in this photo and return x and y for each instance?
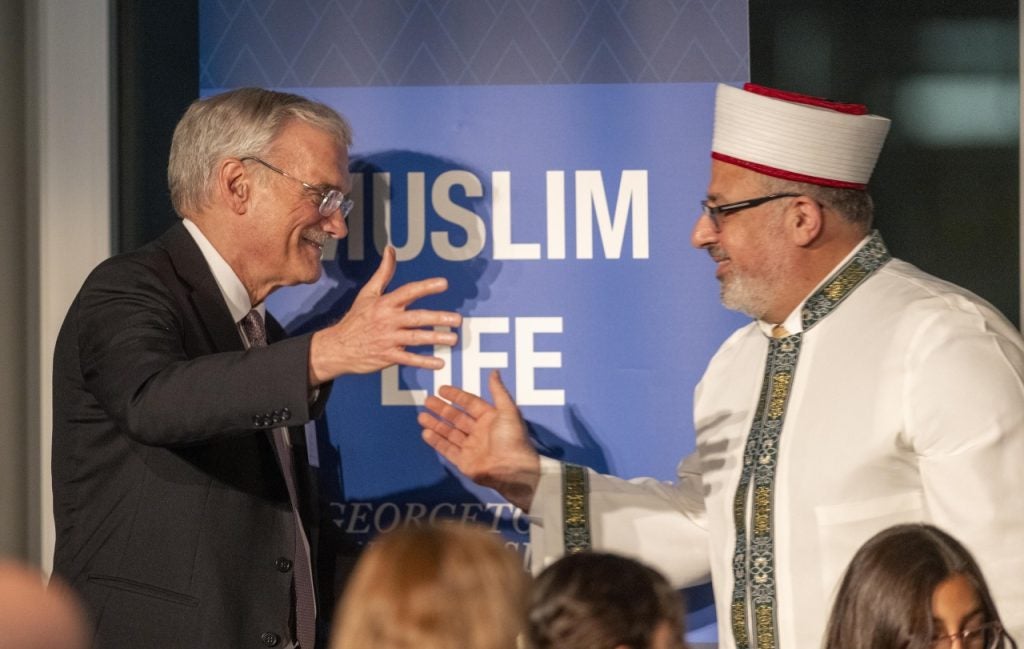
(914, 586)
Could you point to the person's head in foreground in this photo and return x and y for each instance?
(34, 615)
(594, 600)
(446, 586)
(914, 587)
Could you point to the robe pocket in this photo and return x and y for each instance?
(844, 527)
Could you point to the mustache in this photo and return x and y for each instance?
(316, 235)
(717, 253)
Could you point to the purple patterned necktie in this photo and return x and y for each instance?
(305, 602)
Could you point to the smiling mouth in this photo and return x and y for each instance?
(718, 255)
(720, 269)
(315, 238)
(720, 258)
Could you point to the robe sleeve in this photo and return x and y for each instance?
(659, 523)
(965, 422)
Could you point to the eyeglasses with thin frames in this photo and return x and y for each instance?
(716, 212)
(330, 199)
(986, 636)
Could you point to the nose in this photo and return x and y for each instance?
(703, 233)
(335, 225)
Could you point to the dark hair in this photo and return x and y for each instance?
(853, 205)
(594, 600)
(885, 598)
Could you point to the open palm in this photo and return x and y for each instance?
(488, 443)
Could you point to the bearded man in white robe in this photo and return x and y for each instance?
(864, 393)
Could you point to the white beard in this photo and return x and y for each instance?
(754, 294)
(746, 294)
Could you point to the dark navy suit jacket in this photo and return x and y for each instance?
(172, 515)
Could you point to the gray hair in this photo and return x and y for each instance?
(853, 205)
(238, 123)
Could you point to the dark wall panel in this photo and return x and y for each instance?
(157, 76)
(947, 73)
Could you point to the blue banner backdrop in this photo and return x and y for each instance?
(548, 159)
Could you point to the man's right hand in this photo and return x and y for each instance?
(376, 331)
(488, 443)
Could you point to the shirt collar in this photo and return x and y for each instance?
(231, 288)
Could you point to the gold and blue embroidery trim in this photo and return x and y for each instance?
(754, 592)
(576, 521)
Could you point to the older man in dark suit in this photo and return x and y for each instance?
(183, 497)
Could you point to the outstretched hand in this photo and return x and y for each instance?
(377, 329)
(488, 443)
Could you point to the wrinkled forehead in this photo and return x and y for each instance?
(298, 134)
(311, 150)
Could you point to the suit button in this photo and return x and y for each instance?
(283, 565)
(270, 639)
(256, 420)
(286, 413)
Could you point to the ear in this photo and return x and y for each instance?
(807, 221)
(233, 185)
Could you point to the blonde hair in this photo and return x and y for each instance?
(239, 123)
(447, 586)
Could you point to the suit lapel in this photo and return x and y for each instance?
(207, 301)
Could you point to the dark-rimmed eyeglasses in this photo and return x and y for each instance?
(987, 636)
(716, 212)
(330, 199)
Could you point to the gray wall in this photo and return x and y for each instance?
(55, 179)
